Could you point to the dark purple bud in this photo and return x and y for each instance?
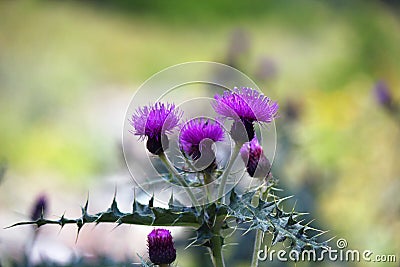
(257, 164)
(383, 95)
(161, 247)
(39, 207)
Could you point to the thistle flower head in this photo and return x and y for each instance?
(161, 246)
(257, 164)
(39, 207)
(198, 135)
(245, 106)
(154, 122)
(151, 121)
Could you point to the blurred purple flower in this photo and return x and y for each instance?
(154, 122)
(292, 110)
(266, 69)
(382, 94)
(238, 47)
(257, 164)
(161, 246)
(245, 106)
(39, 207)
(198, 135)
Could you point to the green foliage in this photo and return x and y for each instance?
(267, 216)
(142, 214)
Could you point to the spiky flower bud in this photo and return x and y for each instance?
(39, 207)
(257, 164)
(161, 247)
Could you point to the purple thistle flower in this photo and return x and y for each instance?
(161, 246)
(257, 164)
(198, 135)
(154, 122)
(39, 207)
(245, 106)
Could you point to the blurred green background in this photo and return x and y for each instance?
(69, 69)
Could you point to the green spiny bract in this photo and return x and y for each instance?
(269, 217)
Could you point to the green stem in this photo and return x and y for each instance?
(207, 181)
(189, 163)
(257, 245)
(225, 175)
(164, 265)
(182, 181)
(216, 251)
(259, 234)
(216, 243)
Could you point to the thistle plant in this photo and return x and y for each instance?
(257, 208)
